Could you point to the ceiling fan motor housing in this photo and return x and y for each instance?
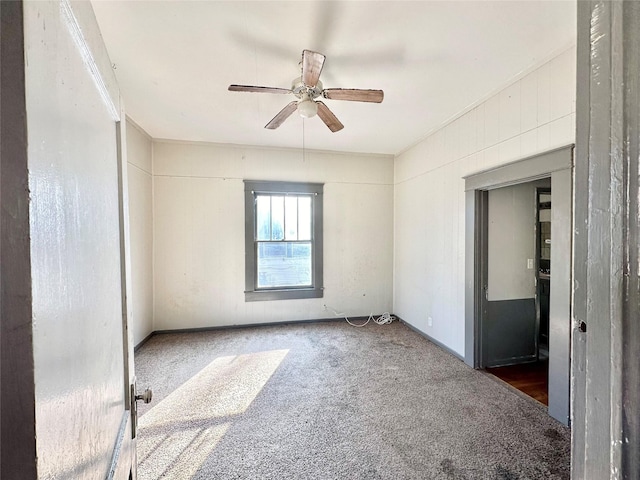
(299, 89)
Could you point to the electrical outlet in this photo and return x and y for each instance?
(429, 322)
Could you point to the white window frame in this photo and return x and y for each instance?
(252, 188)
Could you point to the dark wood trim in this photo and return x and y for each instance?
(17, 396)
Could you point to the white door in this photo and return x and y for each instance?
(82, 348)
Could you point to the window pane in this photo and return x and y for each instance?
(304, 218)
(284, 265)
(282, 226)
(277, 218)
(291, 218)
(263, 217)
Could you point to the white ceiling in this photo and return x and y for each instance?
(175, 59)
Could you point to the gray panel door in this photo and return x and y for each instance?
(509, 331)
(509, 311)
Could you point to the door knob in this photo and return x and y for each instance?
(146, 396)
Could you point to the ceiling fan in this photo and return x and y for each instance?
(307, 88)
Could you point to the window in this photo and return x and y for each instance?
(283, 240)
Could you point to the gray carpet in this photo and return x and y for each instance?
(329, 401)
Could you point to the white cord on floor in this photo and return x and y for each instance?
(384, 319)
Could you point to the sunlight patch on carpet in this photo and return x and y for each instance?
(180, 432)
(225, 387)
(181, 454)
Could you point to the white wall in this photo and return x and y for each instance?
(199, 233)
(534, 114)
(139, 159)
(511, 242)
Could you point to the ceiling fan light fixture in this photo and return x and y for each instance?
(307, 108)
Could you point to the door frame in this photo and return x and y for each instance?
(558, 165)
(538, 249)
(17, 395)
(606, 338)
(488, 309)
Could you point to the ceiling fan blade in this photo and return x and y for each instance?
(282, 116)
(252, 88)
(353, 94)
(312, 63)
(329, 118)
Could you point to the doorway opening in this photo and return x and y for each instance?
(514, 314)
(532, 378)
(515, 307)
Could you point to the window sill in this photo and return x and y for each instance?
(288, 294)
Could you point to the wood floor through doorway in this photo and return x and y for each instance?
(530, 378)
